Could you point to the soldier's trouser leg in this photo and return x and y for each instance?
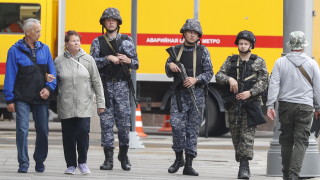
(122, 114)
(242, 135)
(178, 123)
(192, 132)
(106, 124)
(295, 120)
(178, 132)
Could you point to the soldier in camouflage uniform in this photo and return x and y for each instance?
(114, 54)
(298, 95)
(185, 120)
(245, 76)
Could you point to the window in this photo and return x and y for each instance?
(12, 16)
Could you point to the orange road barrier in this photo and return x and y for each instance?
(139, 127)
(166, 127)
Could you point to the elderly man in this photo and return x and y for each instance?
(294, 84)
(25, 87)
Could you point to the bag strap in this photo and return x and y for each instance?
(303, 72)
(80, 65)
(111, 47)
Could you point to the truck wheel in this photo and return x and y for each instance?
(216, 123)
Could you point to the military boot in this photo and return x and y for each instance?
(293, 177)
(179, 162)
(286, 153)
(188, 170)
(123, 158)
(108, 162)
(244, 169)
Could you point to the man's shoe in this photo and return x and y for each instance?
(22, 170)
(40, 167)
(70, 170)
(84, 169)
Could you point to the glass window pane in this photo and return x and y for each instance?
(12, 16)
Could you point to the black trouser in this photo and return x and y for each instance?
(75, 135)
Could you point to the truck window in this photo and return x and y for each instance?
(12, 16)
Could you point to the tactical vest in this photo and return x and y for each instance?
(112, 71)
(187, 60)
(249, 76)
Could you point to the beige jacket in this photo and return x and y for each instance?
(77, 85)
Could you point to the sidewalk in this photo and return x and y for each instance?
(215, 160)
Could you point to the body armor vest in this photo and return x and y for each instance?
(249, 76)
(111, 71)
(187, 60)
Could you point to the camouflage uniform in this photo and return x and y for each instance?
(242, 135)
(255, 79)
(119, 111)
(186, 123)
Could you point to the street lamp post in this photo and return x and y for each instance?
(297, 16)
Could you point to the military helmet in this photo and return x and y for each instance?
(192, 25)
(297, 40)
(111, 13)
(247, 35)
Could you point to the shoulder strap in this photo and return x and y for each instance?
(111, 47)
(80, 65)
(303, 72)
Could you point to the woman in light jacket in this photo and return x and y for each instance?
(78, 80)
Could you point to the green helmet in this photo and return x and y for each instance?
(192, 25)
(297, 40)
(111, 13)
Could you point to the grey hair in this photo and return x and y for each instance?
(29, 22)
